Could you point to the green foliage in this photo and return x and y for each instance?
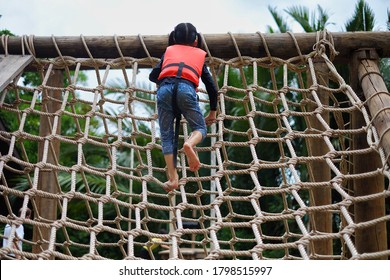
(363, 18)
(6, 32)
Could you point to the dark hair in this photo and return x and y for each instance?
(28, 212)
(184, 34)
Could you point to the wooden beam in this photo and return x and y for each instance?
(220, 45)
(11, 66)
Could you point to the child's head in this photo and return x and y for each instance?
(184, 34)
(28, 213)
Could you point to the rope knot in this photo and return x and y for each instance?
(251, 114)
(40, 165)
(182, 206)
(254, 167)
(69, 195)
(31, 192)
(293, 161)
(82, 140)
(70, 88)
(97, 228)
(110, 173)
(6, 158)
(148, 178)
(76, 168)
(58, 224)
(104, 199)
(324, 44)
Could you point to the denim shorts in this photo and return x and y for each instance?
(187, 101)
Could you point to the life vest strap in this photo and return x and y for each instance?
(182, 65)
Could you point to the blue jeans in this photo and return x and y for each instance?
(187, 101)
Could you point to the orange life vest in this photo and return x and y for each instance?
(183, 61)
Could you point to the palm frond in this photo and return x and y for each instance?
(280, 22)
(301, 15)
(320, 22)
(310, 22)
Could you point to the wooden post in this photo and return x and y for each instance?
(373, 238)
(319, 171)
(376, 94)
(47, 182)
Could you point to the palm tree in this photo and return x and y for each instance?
(363, 19)
(309, 23)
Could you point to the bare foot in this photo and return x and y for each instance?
(193, 160)
(171, 184)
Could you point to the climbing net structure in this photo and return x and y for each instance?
(283, 175)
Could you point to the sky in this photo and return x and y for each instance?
(156, 17)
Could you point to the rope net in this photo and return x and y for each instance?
(278, 169)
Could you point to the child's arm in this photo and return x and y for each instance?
(153, 76)
(213, 95)
(211, 88)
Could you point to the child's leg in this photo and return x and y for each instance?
(188, 146)
(165, 118)
(173, 182)
(189, 106)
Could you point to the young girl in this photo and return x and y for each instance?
(177, 76)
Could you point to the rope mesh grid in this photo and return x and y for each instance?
(271, 114)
